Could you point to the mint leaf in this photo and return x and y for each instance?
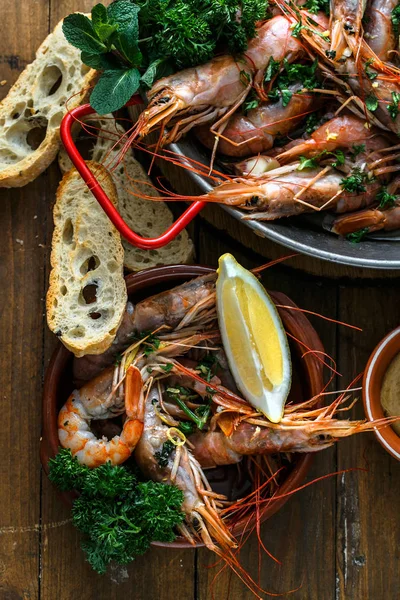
(124, 14)
(158, 68)
(79, 32)
(114, 89)
(100, 62)
(105, 31)
(99, 16)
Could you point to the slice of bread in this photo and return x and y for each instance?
(31, 113)
(87, 295)
(147, 218)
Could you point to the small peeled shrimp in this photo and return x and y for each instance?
(245, 135)
(216, 89)
(167, 308)
(369, 221)
(96, 400)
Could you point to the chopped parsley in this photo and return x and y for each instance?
(370, 74)
(385, 199)
(357, 149)
(396, 20)
(162, 456)
(315, 6)
(357, 236)
(167, 368)
(355, 182)
(312, 122)
(371, 102)
(394, 107)
(293, 73)
(272, 69)
(311, 163)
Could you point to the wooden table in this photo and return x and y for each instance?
(337, 539)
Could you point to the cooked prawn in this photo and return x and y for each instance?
(369, 221)
(256, 131)
(306, 429)
(213, 91)
(185, 304)
(96, 401)
(379, 32)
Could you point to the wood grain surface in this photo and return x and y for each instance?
(337, 539)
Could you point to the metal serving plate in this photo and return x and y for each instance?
(306, 234)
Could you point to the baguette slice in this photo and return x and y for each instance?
(31, 113)
(87, 294)
(145, 217)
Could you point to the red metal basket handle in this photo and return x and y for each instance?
(133, 238)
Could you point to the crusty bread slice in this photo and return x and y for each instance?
(31, 113)
(145, 217)
(87, 295)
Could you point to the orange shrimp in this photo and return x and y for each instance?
(96, 401)
(256, 131)
(307, 429)
(213, 91)
(368, 221)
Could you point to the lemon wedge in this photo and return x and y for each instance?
(254, 339)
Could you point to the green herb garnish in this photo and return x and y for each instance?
(355, 182)
(396, 20)
(385, 199)
(136, 43)
(314, 6)
(394, 107)
(118, 515)
(357, 149)
(312, 122)
(357, 236)
(163, 455)
(371, 102)
(311, 163)
(181, 395)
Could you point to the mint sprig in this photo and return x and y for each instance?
(109, 42)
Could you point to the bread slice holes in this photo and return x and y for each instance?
(77, 332)
(112, 266)
(63, 290)
(89, 294)
(90, 264)
(68, 232)
(95, 315)
(36, 136)
(51, 80)
(55, 120)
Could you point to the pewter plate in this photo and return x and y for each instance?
(306, 234)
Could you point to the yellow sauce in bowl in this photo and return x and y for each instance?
(390, 393)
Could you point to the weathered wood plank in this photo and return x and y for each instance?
(21, 333)
(303, 530)
(368, 525)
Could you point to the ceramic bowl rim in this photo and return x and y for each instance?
(375, 370)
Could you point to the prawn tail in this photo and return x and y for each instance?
(134, 406)
(370, 219)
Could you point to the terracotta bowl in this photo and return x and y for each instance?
(376, 368)
(307, 382)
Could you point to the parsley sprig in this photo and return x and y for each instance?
(291, 74)
(118, 515)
